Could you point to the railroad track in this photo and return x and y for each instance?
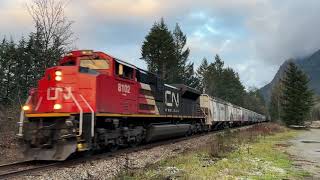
(28, 167)
(18, 168)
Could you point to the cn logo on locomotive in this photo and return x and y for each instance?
(123, 88)
(54, 92)
(171, 98)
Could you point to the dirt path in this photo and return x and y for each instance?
(305, 151)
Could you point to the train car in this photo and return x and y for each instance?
(93, 101)
(220, 114)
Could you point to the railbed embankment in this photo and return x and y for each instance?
(256, 153)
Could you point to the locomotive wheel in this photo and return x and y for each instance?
(136, 142)
(189, 133)
(133, 144)
(113, 147)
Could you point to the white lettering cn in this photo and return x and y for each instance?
(171, 98)
(53, 93)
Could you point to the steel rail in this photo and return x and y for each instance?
(17, 168)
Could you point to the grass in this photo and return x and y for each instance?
(256, 153)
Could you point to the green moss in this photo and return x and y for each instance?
(259, 160)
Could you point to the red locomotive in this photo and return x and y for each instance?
(93, 101)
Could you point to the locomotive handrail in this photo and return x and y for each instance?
(92, 115)
(81, 114)
(38, 104)
(22, 118)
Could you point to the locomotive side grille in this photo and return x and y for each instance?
(145, 92)
(148, 107)
(126, 106)
(147, 103)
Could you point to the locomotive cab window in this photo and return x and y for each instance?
(124, 71)
(95, 64)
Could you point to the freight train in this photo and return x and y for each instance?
(92, 101)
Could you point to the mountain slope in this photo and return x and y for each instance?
(310, 65)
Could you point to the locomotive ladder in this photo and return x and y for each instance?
(92, 115)
(81, 114)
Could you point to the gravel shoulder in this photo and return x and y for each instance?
(10, 151)
(305, 151)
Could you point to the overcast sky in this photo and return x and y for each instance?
(253, 37)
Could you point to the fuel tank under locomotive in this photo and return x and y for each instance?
(165, 131)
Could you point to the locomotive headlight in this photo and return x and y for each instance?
(87, 52)
(57, 106)
(58, 73)
(26, 108)
(58, 78)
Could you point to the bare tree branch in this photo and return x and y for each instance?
(49, 17)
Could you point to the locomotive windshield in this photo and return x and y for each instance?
(94, 63)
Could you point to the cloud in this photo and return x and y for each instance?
(125, 8)
(14, 19)
(224, 45)
(252, 36)
(254, 73)
(284, 30)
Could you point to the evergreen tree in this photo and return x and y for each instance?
(229, 87)
(201, 75)
(220, 82)
(297, 99)
(181, 54)
(3, 67)
(275, 102)
(191, 80)
(9, 61)
(214, 78)
(22, 71)
(158, 51)
(315, 112)
(211, 80)
(254, 101)
(218, 63)
(185, 70)
(166, 54)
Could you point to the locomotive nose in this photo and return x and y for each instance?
(53, 91)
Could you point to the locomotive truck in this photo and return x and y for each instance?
(93, 101)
